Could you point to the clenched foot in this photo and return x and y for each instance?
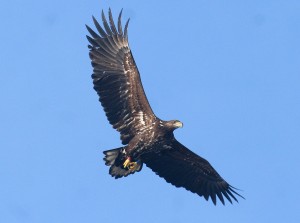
(130, 165)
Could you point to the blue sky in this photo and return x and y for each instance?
(229, 70)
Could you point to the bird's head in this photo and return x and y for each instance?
(174, 124)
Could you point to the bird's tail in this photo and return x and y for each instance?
(115, 158)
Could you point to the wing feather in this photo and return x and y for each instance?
(120, 23)
(112, 23)
(183, 168)
(98, 27)
(105, 24)
(117, 80)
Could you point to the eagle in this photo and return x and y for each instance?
(146, 138)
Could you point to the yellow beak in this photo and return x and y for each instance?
(179, 124)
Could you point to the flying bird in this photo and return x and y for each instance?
(146, 138)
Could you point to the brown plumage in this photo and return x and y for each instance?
(146, 138)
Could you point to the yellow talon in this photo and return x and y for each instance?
(126, 163)
(133, 165)
(130, 165)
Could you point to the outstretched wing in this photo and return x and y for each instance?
(183, 168)
(117, 80)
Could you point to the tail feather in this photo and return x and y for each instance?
(111, 156)
(115, 159)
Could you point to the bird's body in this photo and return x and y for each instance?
(152, 140)
(146, 138)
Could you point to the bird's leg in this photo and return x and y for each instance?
(130, 165)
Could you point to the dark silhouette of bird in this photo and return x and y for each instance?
(146, 139)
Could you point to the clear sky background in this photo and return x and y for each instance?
(229, 70)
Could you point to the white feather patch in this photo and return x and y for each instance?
(140, 116)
